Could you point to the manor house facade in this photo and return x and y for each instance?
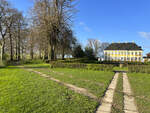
(123, 52)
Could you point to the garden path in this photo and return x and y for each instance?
(107, 101)
(70, 86)
(129, 103)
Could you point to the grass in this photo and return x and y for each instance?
(79, 60)
(120, 69)
(118, 97)
(140, 84)
(95, 81)
(1, 64)
(26, 92)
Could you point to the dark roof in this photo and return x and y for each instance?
(123, 46)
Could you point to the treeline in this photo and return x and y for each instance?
(13, 32)
(46, 33)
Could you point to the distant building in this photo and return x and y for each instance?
(123, 52)
(147, 57)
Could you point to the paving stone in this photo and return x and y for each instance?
(126, 111)
(70, 86)
(106, 105)
(129, 103)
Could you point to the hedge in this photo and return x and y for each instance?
(139, 68)
(101, 67)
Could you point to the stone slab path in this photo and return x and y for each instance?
(107, 101)
(129, 103)
(70, 86)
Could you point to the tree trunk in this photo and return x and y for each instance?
(11, 47)
(31, 53)
(19, 44)
(63, 53)
(3, 49)
(16, 50)
(1, 53)
(52, 53)
(19, 48)
(22, 52)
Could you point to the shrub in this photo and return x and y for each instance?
(139, 68)
(15, 62)
(101, 67)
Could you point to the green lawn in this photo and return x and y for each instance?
(27, 92)
(118, 97)
(120, 69)
(95, 81)
(140, 84)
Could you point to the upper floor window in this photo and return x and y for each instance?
(132, 53)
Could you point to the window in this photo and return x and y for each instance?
(132, 59)
(139, 58)
(140, 53)
(132, 53)
(135, 53)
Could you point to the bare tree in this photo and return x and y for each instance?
(102, 47)
(95, 45)
(67, 42)
(51, 16)
(4, 5)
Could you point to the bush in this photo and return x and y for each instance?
(101, 67)
(139, 68)
(15, 62)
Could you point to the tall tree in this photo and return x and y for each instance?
(4, 5)
(51, 16)
(95, 45)
(67, 42)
